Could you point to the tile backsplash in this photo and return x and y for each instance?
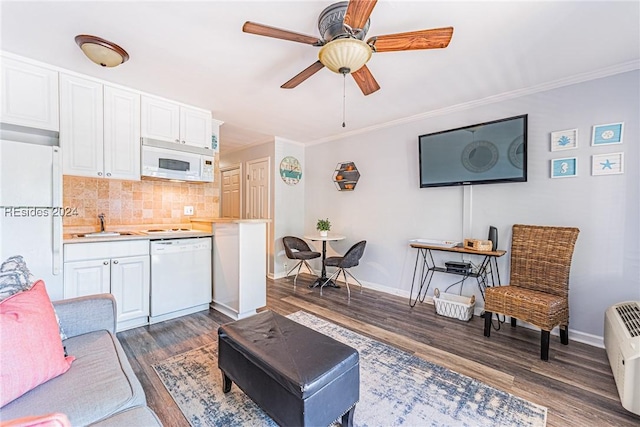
(136, 202)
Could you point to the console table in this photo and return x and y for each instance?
(487, 273)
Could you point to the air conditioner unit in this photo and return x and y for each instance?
(622, 342)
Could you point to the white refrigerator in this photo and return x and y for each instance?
(30, 218)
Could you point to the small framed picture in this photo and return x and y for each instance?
(607, 164)
(607, 134)
(564, 139)
(564, 168)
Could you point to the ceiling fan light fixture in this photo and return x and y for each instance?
(101, 51)
(346, 55)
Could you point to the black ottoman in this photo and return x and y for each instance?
(298, 376)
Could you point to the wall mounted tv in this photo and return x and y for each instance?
(485, 153)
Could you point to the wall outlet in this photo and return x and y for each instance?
(188, 210)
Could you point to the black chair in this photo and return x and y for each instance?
(343, 263)
(298, 249)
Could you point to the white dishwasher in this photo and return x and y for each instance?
(180, 277)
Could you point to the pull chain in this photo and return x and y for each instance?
(344, 97)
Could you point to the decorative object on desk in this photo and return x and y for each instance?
(323, 226)
(455, 306)
(607, 164)
(564, 168)
(434, 242)
(397, 388)
(478, 245)
(346, 176)
(493, 236)
(290, 170)
(607, 134)
(564, 140)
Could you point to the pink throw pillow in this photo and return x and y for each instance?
(31, 351)
(49, 420)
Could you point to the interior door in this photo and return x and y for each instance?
(230, 201)
(258, 178)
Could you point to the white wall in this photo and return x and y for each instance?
(388, 208)
(289, 203)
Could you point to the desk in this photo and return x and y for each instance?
(487, 273)
(324, 239)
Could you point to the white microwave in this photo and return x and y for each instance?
(167, 160)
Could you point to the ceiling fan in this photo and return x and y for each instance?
(343, 27)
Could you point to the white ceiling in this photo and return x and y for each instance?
(196, 53)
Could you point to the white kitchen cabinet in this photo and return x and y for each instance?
(160, 119)
(81, 126)
(130, 286)
(195, 127)
(121, 268)
(171, 122)
(121, 133)
(29, 95)
(99, 129)
(87, 278)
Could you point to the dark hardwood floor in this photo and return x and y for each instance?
(576, 384)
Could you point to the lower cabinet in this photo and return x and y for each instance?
(121, 268)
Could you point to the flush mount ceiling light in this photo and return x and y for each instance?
(101, 51)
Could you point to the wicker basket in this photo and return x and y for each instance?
(456, 306)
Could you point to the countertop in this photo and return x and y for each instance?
(135, 235)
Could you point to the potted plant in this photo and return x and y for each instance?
(323, 226)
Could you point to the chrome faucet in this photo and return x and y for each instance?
(101, 218)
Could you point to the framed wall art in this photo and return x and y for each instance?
(607, 164)
(564, 140)
(607, 134)
(564, 168)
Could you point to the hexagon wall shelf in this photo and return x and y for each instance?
(346, 176)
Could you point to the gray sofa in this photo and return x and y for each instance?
(100, 388)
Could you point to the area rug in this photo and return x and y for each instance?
(396, 389)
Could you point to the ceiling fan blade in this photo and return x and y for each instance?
(436, 38)
(358, 13)
(304, 75)
(278, 33)
(365, 80)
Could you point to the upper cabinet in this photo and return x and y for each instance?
(172, 122)
(29, 95)
(99, 129)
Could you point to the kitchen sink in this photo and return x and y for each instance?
(105, 234)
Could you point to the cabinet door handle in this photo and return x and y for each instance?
(115, 261)
(108, 173)
(99, 173)
(178, 141)
(105, 262)
(183, 142)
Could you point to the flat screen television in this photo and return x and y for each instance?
(484, 153)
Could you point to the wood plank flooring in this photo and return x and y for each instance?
(576, 384)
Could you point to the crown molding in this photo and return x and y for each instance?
(568, 81)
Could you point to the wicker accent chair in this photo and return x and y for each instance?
(538, 291)
(297, 249)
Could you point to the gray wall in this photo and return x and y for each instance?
(388, 208)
